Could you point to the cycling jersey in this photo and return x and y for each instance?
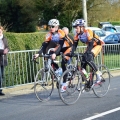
(91, 40)
(87, 36)
(57, 36)
(94, 45)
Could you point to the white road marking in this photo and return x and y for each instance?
(102, 114)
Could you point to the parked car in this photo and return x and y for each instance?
(109, 29)
(112, 43)
(102, 24)
(98, 32)
(117, 27)
(112, 38)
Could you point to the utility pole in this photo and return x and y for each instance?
(85, 11)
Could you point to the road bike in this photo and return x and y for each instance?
(46, 78)
(100, 89)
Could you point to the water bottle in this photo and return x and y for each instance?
(85, 73)
(49, 62)
(59, 72)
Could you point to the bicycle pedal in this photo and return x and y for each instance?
(44, 84)
(102, 80)
(71, 86)
(87, 89)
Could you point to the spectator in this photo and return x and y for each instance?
(3, 58)
(66, 31)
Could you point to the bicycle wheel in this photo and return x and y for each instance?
(102, 88)
(74, 87)
(43, 85)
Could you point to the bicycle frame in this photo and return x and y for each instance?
(91, 74)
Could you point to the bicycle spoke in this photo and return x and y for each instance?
(73, 80)
(102, 88)
(43, 85)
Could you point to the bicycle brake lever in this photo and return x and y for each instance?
(34, 60)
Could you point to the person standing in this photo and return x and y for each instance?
(3, 58)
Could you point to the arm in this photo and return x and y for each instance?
(90, 45)
(59, 47)
(43, 47)
(45, 43)
(6, 48)
(74, 46)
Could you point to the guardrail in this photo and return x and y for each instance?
(111, 56)
(21, 70)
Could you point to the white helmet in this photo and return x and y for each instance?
(79, 22)
(53, 22)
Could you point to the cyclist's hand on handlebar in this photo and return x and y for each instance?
(53, 56)
(52, 49)
(35, 56)
(71, 54)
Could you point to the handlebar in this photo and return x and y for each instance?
(78, 54)
(45, 55)
(34, 60)
(74, 55)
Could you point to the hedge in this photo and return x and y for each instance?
(24, 41)
(115, 22)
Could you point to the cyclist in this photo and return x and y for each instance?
(60, 42)
(94, 45)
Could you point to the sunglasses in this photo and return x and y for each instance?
(51, 26)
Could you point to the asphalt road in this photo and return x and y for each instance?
(27, 106)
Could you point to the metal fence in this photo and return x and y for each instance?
(21, 70)
(111, 56)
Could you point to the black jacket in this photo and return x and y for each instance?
(3, 57)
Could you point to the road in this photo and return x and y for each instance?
(27, 107)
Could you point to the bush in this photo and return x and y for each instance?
(115, 22)
(24, 41)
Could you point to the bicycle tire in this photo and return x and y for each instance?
(43, 85)
(102, 88)
(72, 94)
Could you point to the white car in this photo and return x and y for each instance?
(98, 32)
(117, 27)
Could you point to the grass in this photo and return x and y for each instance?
(112, 61)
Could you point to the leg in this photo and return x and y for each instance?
(64, 62)
(66, 59)
(89, 60)
(1, 79)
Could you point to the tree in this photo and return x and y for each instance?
(20, 16)
(103, 10)
(65, 11)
